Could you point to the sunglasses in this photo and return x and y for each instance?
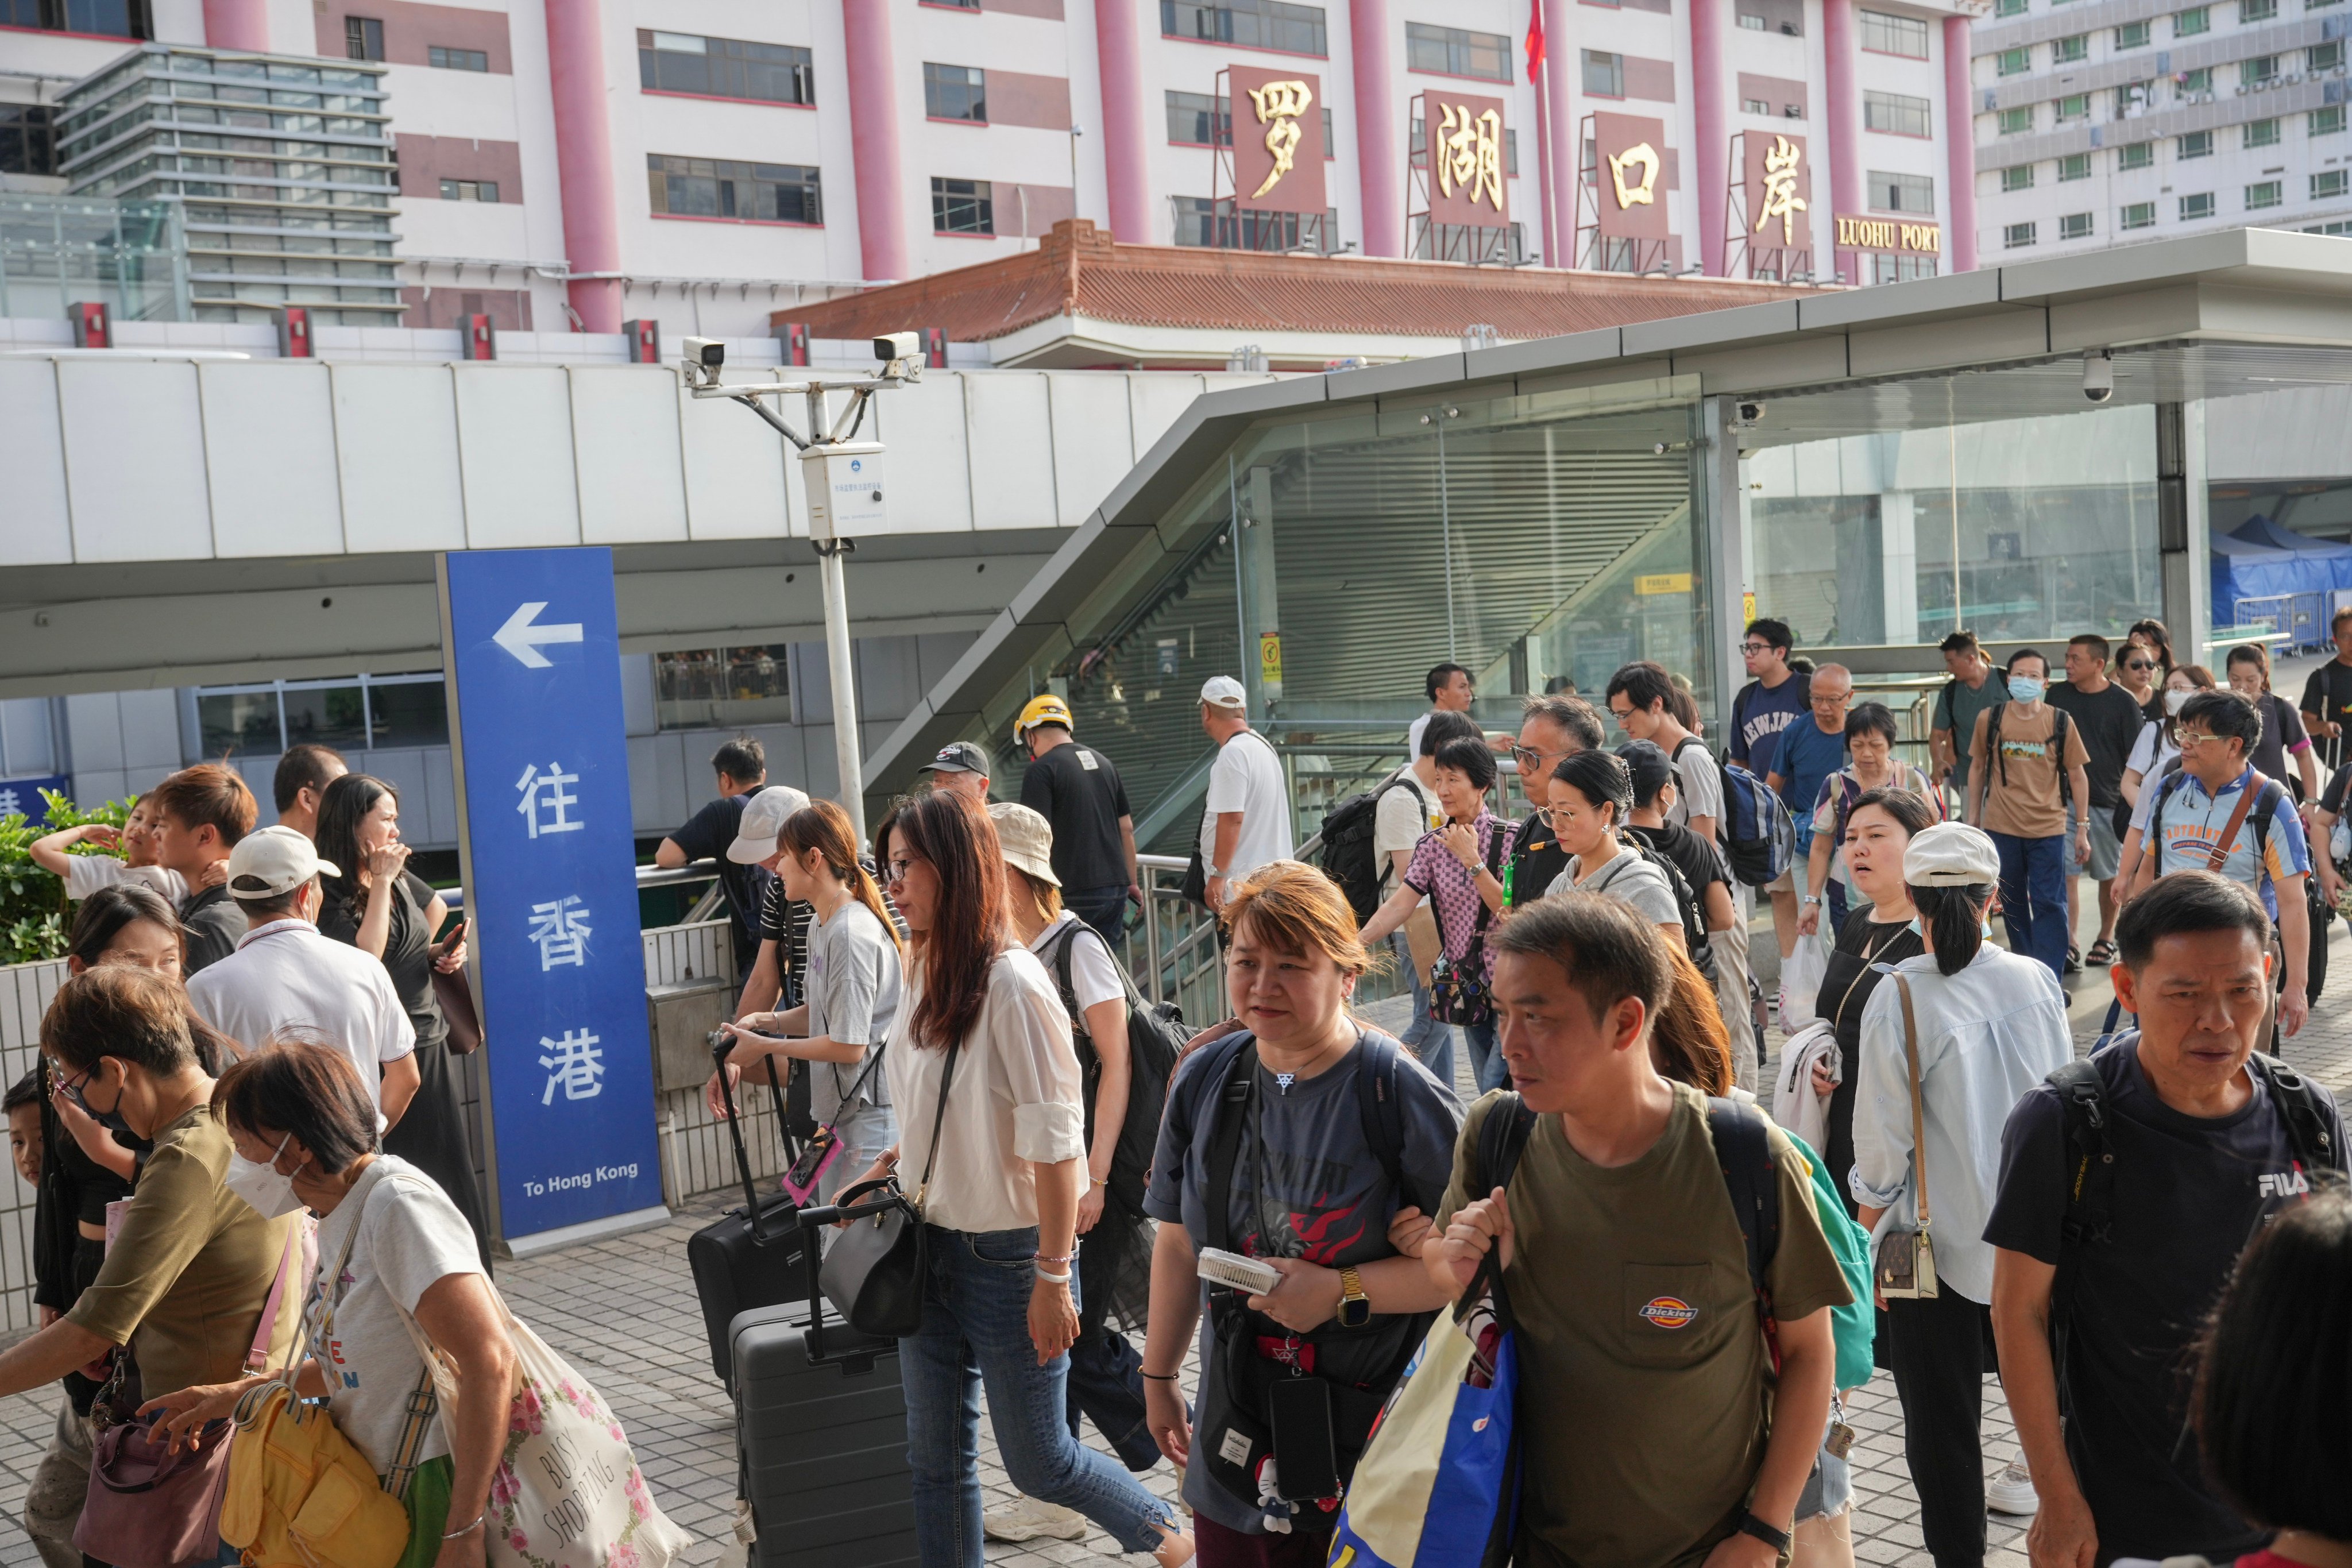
(2139, 664)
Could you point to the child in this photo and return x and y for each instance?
(85, 874)
(23, 1107)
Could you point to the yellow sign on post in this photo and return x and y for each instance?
(1748, 606)
(1269, 657)
(1663, 582)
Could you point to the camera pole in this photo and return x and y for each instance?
(837, 655)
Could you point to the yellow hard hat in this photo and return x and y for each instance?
(1046, 709)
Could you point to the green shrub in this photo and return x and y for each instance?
(34, 913)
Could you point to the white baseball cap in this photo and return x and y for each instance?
(1224, 691)
(1951, 855)
(274, 862)
(1027, 839)
(763, 818)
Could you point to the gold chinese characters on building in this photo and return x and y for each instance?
(1889, 234)
(1277, 142)
(1630, 175)
(1462, 156)
(1777, 200)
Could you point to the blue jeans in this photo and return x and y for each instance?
(1105, 909)
(1107, 1383)
(2033, 896)
(1424, 1036)
(976, 1331)
(1486, 1067)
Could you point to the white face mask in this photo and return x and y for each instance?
(2174, 702)
(270, 1194)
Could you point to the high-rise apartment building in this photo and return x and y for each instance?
(2106, 122)
(577, 163)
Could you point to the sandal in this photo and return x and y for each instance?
(2073, 959)
(2102, 954)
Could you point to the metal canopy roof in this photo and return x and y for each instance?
(2212, 315)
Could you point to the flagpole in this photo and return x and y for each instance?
(1539, 72)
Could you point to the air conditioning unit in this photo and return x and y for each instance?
(1794, 111)
(1789, 29)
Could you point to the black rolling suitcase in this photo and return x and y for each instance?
(751, 1257)
(821, 1422)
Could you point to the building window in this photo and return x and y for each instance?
(1252, 23)
(2067, 51)
(2013, 62)
(2268, 194)
(2138, 155)
(1754, 106)
(723, 687)
(1902, 192)
(2073, 166)
(2258, 70)
(2199, 80)
(1896, 113)
(358, 712)
(2017, 236)
(962, 207)
(724, 68)
(2017, 177)
(2257, 10)
(2196, 144)
(2014, 121)
(29, 139)
(1453, 52)
(2135, 34)
(2327, 185)
(1753, 23)
(2197, 208)
(2262, 133)
(1605, 75)
(2074, 105)
(2008, 7)
(2075, 225)
(1904, 36)
(955, 92)
(2325, 121)
(470, 190)
(1199, 120)
(2190, 23)
(446, 59)
(2325, 57)
(362, 38)
(757, 193)
(2139, 215)
(2132, 97)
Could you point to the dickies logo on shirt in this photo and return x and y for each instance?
(1668, 1313)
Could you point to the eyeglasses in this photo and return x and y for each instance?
(1529, 757)
(1756, 647)
(895, 870)
(2188, 741)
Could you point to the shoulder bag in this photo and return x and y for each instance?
(1907, 1257)
(1461, 992)
(875, 1269)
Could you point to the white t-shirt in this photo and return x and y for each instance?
(1015, 1102)
(1628, 876)
(1247, 777)
(2149, 756)
(1400, 820)
(85, 874)
(1413, 732)
(286, 977)
(410, 1237)
(1094, 977)
(1699, 786)
(853, 987)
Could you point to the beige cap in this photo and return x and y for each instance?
(763, 818)
(1951, 855)
(1224, 691)
(273, 862)
(1027, 839)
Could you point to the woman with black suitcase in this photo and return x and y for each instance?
(987, 1082)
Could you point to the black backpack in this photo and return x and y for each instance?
(1686, 899)
(1348, 857)
(2055, 748)
(1155, 1038)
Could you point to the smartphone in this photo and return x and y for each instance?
(1306, 1453)
(456, 934)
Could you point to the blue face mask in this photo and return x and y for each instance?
(2026, 689)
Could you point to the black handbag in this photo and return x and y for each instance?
(1459, 992)
(874, 1272)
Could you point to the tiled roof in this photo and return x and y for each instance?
(1077, 271)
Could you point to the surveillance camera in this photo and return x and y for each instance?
(2098, 377)
(897, 345)
(704, 356)
(1749, 412)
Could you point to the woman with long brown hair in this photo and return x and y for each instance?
(850, 990)
(982, 1068)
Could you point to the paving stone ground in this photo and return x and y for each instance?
(624, 1312)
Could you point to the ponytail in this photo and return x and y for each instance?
(824, 827)
(1955, 922)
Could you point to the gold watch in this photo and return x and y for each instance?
(1355, 1307)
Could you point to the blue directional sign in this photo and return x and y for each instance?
(24, 796)
(537, 733)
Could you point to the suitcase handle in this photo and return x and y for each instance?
(846, 1208)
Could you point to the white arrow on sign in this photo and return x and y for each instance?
(519, 638)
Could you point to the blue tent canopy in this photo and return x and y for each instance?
(2244, 570)
(2336, 558)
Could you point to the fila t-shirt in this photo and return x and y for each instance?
(2188, 1193)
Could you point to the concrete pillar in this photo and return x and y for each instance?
(1898, 556)
(1717, 505)
(238, 25)
(1380, 171)
(1261, 591)
(1843, 67)
(1567, 145)
(1119, 63)
(874, 125)
(584, 160)
(1714, 152)
(1959, 149)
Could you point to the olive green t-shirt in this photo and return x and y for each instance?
(190, 1269)
(1644, 1384)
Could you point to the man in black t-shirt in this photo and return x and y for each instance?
(741, 765)
(2197, 1151)
(2327, 704)
(1077, 790)
(2109, 720)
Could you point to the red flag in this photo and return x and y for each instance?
(1535, 38)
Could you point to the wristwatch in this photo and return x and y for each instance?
(1778, 1539)
(1812, 897)
(1355, 1307)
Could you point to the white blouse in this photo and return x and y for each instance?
(1015, 1100)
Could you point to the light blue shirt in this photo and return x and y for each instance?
(1987, 1035)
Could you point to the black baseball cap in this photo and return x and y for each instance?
(1649, 768)
(959, 757)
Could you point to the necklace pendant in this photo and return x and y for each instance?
(1283, 1080)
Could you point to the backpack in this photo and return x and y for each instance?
(1349, 856)
(2091, 1167)
(1686, 900)
(1850, 792)
(1759, 837)
(2055, 748)
(1155, 1038)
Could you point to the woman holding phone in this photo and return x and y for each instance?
(380, 906)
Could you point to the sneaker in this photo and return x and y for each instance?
(1026, 1518)
(2011, 1491)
